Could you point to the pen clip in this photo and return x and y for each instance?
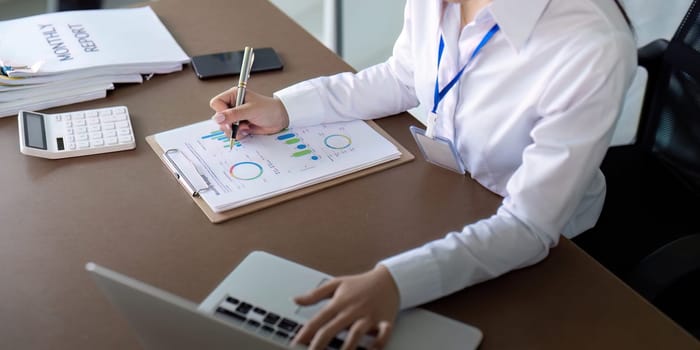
(187, 172)
(250, 63)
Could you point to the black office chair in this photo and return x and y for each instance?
(649, 230)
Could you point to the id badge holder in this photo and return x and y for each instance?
(438, 150)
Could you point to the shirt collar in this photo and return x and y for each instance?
(517, 19)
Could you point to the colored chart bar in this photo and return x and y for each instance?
(301, 153)
(213, 134)
(291, 141)
(285, 136)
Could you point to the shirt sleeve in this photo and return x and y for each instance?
(578, 109)
(377, 91)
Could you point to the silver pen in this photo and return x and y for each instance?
(246, 65)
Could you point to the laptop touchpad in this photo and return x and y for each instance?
(308, 312)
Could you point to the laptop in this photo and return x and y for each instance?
(252, 308)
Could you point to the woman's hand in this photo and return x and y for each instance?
(368, 302)
(258, 115)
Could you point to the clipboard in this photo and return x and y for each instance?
(188, 180)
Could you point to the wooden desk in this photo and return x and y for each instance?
(125, 211)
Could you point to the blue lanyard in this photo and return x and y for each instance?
(440, 94)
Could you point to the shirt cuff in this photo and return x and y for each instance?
(303, 104)
(417, 276)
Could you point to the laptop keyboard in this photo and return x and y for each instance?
(269, 323)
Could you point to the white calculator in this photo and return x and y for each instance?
(73, 134)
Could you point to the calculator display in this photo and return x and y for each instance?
(34, 130)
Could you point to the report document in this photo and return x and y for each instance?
(229, 175)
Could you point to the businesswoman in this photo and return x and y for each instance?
(527, 91)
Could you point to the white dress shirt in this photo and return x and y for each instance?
(532, 118)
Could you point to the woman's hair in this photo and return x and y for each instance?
(624, 14)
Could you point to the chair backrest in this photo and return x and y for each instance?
(672, 132)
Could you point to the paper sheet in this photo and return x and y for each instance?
(262, 166)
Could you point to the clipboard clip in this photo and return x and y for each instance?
(185, 172)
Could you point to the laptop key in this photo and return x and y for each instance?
(232, 300)
(230, 314)
(253, 323)
(282, 334)
(288, 325)
(271, 318)
(244, 308)
(267, 328)
(335, 343)
(259, 311)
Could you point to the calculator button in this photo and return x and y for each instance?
(58, 117)
(71, 146)
(93, 128)
(77, 115)
(123, 124)
(95, 135)
(120, 117)
(124, 131)
(105, 112)
(70, 138)
(66, 116)
(79, 122)
(108, 126)
(111, 140)
(91, 113)
(80, 130)
(110, 133)
(69, 123)
(96, 143)
(83, 144)
(69, 131)
(120, 110)
(81, 137)
(93, 121)
(125, 139)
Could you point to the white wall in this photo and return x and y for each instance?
(369, 28)
(655, 19)
(10, 9)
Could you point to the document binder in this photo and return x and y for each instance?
(184, 171)
(195, 183)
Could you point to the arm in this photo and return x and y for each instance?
(383, 89)
(578, 107)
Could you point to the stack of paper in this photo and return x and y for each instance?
(60, 58)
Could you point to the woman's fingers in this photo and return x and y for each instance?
(356, 332)
(324, 316)
(383, 334)
(323, 291)
(330, 329)
(224, 100)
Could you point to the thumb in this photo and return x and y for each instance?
(324, 291)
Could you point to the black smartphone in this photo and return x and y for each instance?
(229, 63)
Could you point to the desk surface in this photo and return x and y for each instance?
(125, 211)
